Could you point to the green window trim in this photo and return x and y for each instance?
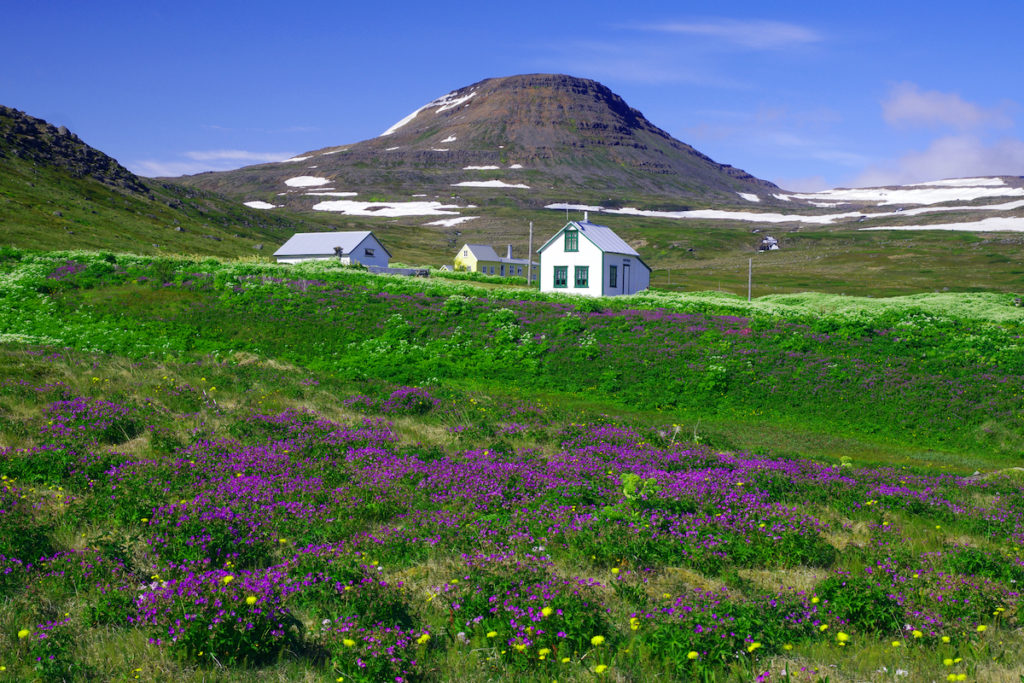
(572, 240)
(582, 276)
(561, 277)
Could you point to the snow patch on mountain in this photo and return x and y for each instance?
(351, 207)
(481, 168)
(749, 197)
(260, 205)
(915, 195)
(964, 182)
(306, 181)
(998, 224)
(490, 183)
(443, 103)
(451, 222)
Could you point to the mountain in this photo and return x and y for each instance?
(57, 192)
(527, 139)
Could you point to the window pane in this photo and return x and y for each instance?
(572, 240)
(582, 276)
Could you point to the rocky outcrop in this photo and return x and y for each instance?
(36, 140)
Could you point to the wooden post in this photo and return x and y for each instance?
(529, 258)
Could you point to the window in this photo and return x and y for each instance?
(502, 267)
(613, 276)
(368, 252)
(572, 240)
(582, 275)
(520, 269)
(561, 276)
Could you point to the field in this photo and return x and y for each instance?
(236, 471)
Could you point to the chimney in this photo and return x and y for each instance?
(586, 216)
(508, 254)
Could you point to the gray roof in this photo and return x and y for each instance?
(483, 252)
(305, 243)
(603, 237)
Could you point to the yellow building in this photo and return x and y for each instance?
(481, 258)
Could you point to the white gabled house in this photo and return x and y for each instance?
(348, 247)
(586, 258)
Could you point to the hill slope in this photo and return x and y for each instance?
(57, 192)
(528, 138)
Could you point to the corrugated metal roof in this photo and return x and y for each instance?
(605, 238)
(483, 252)
(304, 243)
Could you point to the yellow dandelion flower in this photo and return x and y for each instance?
(227, 579)
(815, 600)
(492, 634)
(547, 611)
(615, 570)
(600, 668)
(424, 639)
(753, 646)
(692, 654)
(251, 600)
(916, 633)
(23, 633)
(565, 660)
(895, 643)
(787, 647)
(823, 628)
(348, 642)
(544, 652)
(842, 637)
(945, 639)
(981, 628)
(948, 661)
(634, 624)
(597, 641)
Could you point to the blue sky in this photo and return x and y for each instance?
(806, 94)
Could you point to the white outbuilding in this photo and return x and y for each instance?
(586, 258)
(348, 247)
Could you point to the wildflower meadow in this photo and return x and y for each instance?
(225, 471)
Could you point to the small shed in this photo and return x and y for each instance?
(348, 247)
(586, 258)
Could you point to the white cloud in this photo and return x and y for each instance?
(754, 34)
(907, 104)
(202, 160)
(239, 154)
(153, 168)
(955, 156)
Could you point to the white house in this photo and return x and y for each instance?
(586, 258)
(349, 247)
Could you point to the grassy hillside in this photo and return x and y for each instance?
(223, 471)
(47, 208)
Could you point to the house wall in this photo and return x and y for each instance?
(639, 276)
(555, 255)
(465, 260)
(380, 256)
